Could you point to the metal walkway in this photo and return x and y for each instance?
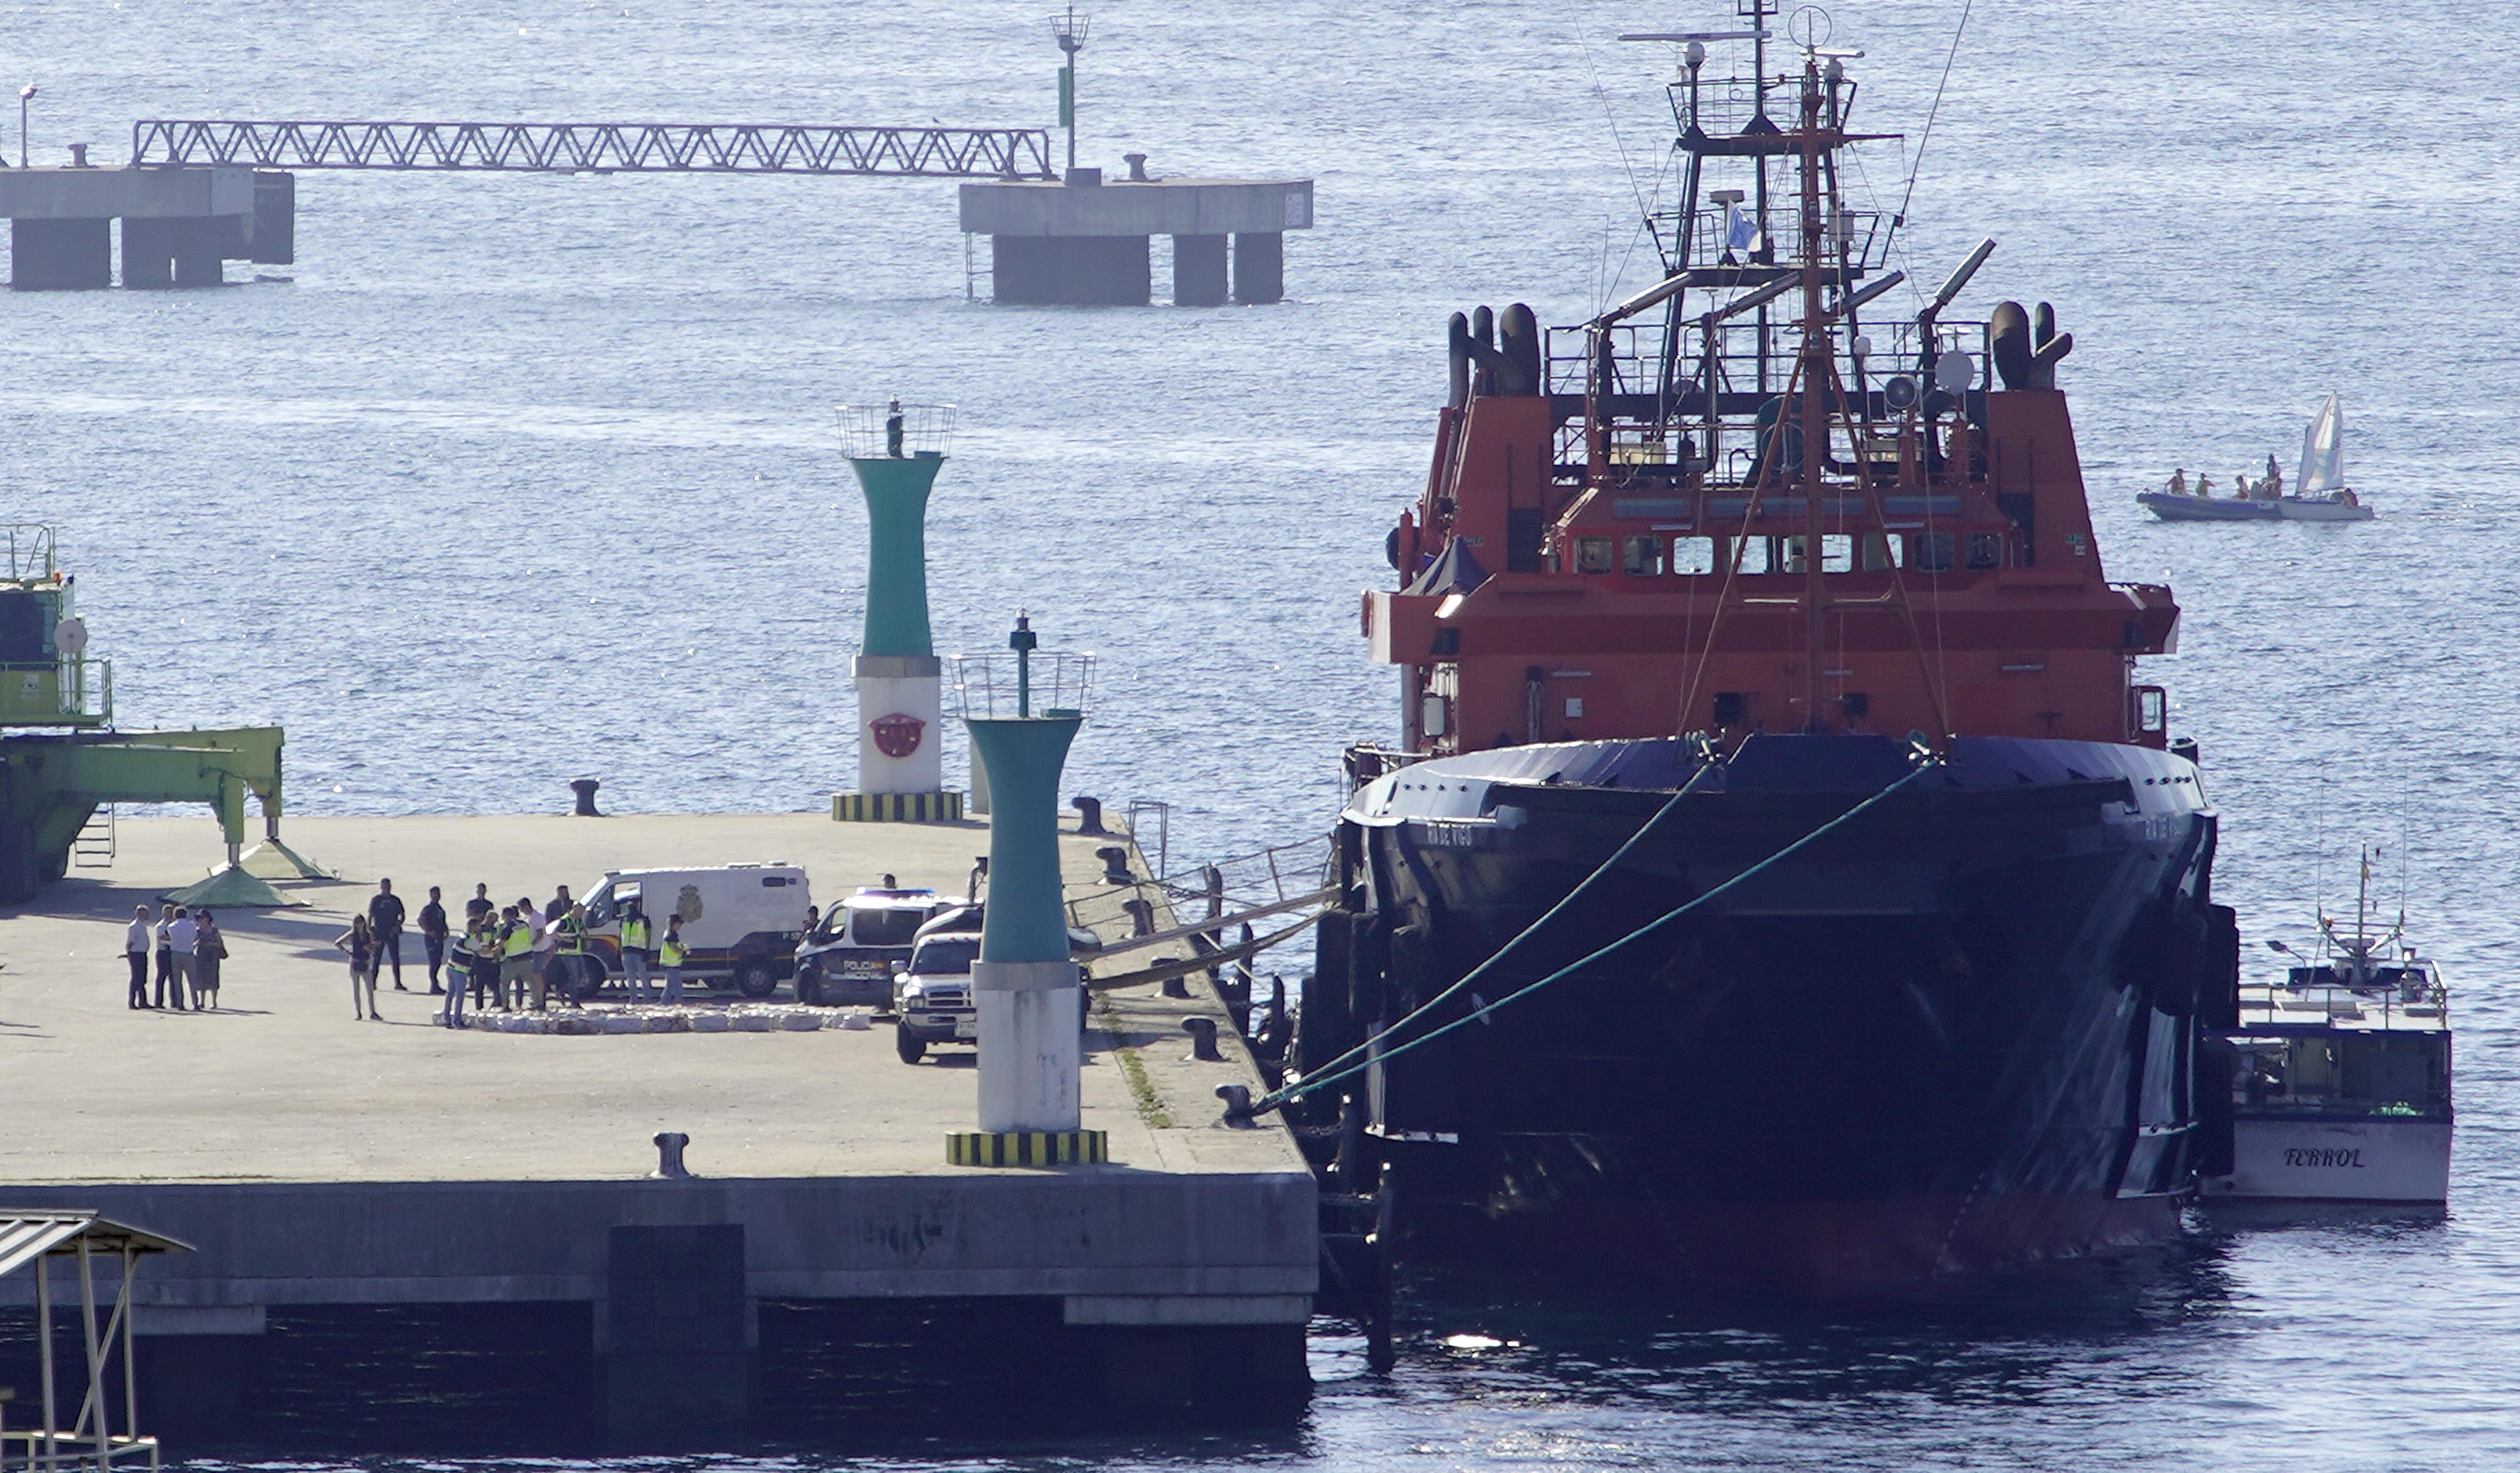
(601, 147)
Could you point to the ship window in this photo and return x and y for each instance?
(1986, 550)
(1642, 555)
(1882, 553)
(1836, 553)
(1749, 555)
(1593, 555)
(1933, 551)
(1792, 550)
(1693, 554)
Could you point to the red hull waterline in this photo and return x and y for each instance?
(1816, 1250)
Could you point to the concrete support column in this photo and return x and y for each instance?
(1259, 268)
(60, 255)
(271, 235)
(1198, 270)
(195, 1368)
(675, 1336)
(1111, 271)
(176, 250)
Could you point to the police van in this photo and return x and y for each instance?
(742, 923)
(850, 956)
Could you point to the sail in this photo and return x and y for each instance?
(2322, 452)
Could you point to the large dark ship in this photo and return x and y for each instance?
(1772, 738)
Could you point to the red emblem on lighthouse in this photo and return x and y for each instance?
(896, 735)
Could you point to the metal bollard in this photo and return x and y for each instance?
(585, 788)
(1088, 814)
(1142, 916)
(1203, 1040)
(669, 1156)
(1237, 1104)
(1115, 864)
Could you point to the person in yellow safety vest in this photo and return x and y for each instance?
(672, 954)
(574, 954)
(516, 957)
(484, 980)
(635, 948)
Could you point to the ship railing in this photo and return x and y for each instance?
(1859, 239)
(1727, 106)
(57, 693)
(2414, 993)
(1262, 880)
(30, 551)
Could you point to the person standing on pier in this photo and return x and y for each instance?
(137, 943)
(359, 944)
(166, 958)
(480, 905)
(180, 937)
(517, 954)
(635, 949)
(671, 952)
(385, 922)
(209, 950)
(485, 963)
(432, 936)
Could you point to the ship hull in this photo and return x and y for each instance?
(1955, 1032)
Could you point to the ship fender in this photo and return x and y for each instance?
(1322, 1025)
(1420, 1098)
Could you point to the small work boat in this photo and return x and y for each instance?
(2341, 1078)
(2187, 506)
(2320, 493)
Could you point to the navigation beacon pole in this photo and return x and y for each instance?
(896, 451)
(1023, 712)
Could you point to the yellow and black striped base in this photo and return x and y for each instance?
(897, 808)
(1028, 1148)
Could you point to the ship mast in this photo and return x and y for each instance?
(1816, 366)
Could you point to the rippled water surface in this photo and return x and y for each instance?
(524, 478)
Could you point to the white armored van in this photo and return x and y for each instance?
(742, 923)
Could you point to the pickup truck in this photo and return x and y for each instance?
(931, 992)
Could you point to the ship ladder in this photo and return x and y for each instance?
(93, 849)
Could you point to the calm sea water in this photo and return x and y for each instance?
(519, 478)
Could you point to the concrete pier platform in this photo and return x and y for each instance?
(329, 1167)
(1083, 242)
(178, 224)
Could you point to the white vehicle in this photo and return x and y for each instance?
(742, 923)
(932, 995)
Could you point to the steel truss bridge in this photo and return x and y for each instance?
(601, 148)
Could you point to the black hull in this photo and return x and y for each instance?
(1957, 1033)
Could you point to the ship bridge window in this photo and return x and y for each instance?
(1749, 555)
(1836, 553)
(1986, 550)
(1882, 553)
(1693, 554)
(1593, 555)
(1642, 555)
(1932, 552)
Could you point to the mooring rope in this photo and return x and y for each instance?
(1343, 1070)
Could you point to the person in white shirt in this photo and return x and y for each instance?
(180, 936)
(167, 960)
(137, 943)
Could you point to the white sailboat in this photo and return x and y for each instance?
(2320, 493)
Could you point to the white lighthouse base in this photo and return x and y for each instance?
(900, 707)
(1031, 1044)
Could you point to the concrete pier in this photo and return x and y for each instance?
(1085, 241)
(362, 1192)
(178, 224)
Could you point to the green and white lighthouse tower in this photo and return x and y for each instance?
(896, 451)
(1024, 709)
